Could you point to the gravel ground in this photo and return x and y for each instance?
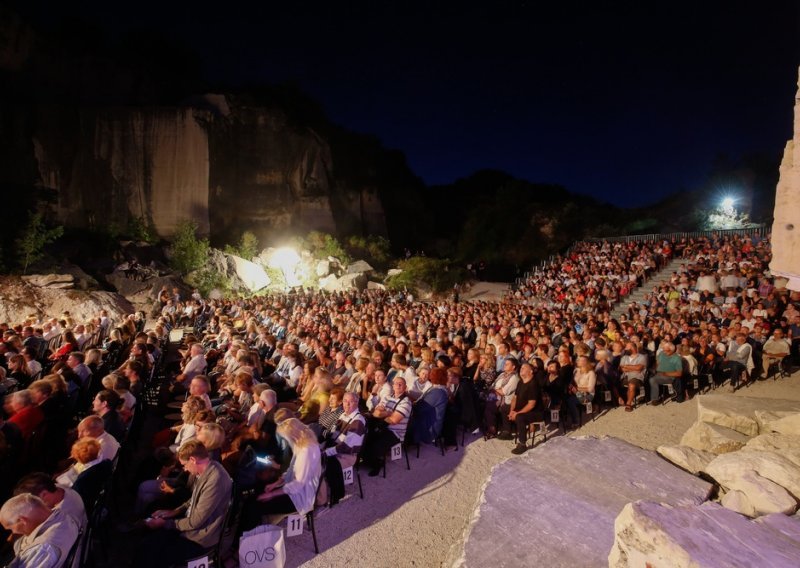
(412, 518)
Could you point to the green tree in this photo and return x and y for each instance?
(31, 244)
(187, 251)
(248, 246)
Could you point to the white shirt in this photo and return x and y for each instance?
(108, 446)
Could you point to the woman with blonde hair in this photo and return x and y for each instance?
(296, 489)
(188, 429)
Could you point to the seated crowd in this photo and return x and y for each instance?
(278, 393)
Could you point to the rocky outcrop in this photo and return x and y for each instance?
(785, 225)
(228, 164)
(19, 300)
(533, 514)
(112, 165)
(654, 534)
(57, 281)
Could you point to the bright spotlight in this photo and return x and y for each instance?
(284, 258)
(728, 202)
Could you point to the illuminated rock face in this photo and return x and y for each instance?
(786, 224)
(228, 166)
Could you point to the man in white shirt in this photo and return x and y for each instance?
(499, 400)
(775, 349)
(92, 427)
(46, 536)
(42, 486)
(195, 366)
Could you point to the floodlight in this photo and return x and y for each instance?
(728, 202)
(284, 258)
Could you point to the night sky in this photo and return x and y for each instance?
(627, 103)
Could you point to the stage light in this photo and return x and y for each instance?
(727, 203)
(286, 259)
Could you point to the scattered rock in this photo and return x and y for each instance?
(329, 283)
(59, 281)
(738, 502)
(358, 267)
(570, 517)
(741, 413)
(394, 272)
(788, 425)
(323, 268)
(728, 468)
(654, 534)
(375, 286)
(713, 438)
(357, 281)
(689, 459)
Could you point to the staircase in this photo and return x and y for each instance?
(640, 293)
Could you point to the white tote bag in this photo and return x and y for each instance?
(262, 547)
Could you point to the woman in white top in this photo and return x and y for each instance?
(584, 380)
(380, 392)
(296, 489)
(188, 430)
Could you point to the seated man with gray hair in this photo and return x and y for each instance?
(46, 536)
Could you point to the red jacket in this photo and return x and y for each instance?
(27, 420)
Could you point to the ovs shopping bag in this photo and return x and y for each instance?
(262, 547)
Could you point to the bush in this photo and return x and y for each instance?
(437, 273)
(207, 279)
(375, 249)
(33, 240)
(187, 252)
(323, 245)
(248, 246)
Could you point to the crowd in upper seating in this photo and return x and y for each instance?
(273, 394)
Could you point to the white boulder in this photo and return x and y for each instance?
(251, 274)
(323, 268)
(713, 438)
(689, 459)
(359, 267)
(533, 514)
(375, 286)
(727, 469)
(741, 413)
(788, 425)
(739, 503)
(654, 534)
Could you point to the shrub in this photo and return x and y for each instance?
(323, 245)
(375, 249)
(437, 273)
(187, 252)
(248, 246)
(207, 279)
(33, 240)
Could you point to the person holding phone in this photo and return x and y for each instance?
(296, 489)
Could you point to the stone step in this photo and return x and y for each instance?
(639, 294)
(556, 504)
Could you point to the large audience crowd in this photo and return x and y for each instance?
(278, 399)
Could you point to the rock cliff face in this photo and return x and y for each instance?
(228, 166)
(114, 164)
(786, 224)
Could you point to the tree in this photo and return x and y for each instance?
(31, 244)
(187, 251)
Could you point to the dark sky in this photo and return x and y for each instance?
(626, 102)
